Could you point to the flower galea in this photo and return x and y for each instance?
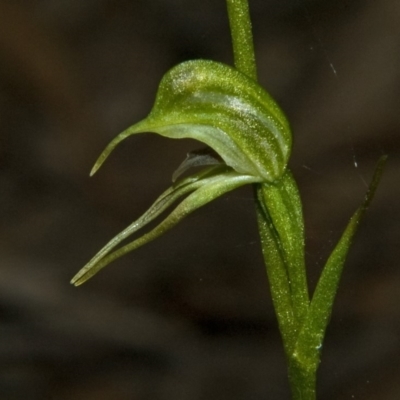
(247, 133)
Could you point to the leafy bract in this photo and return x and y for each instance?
(281, 202)
(312, 333)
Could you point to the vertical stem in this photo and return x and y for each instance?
(301, 378)
(302, 381)
(242, 37)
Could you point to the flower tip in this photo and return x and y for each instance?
(103, 156)
(94, 170)
(80, 278)
(98, 163)
(75, 281)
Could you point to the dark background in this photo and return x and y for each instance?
(189, 316)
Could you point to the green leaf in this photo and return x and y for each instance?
(312, 333)
(223, 108)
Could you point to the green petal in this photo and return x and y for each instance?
(217, 181)
(198, 158)
(223, 108)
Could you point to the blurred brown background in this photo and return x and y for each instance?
(189, 316)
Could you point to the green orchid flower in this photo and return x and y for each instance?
(224, 109)
(248, 141)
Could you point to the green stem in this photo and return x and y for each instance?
(302, 373)
(302, 381)
(280, 248)
(242, 37)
